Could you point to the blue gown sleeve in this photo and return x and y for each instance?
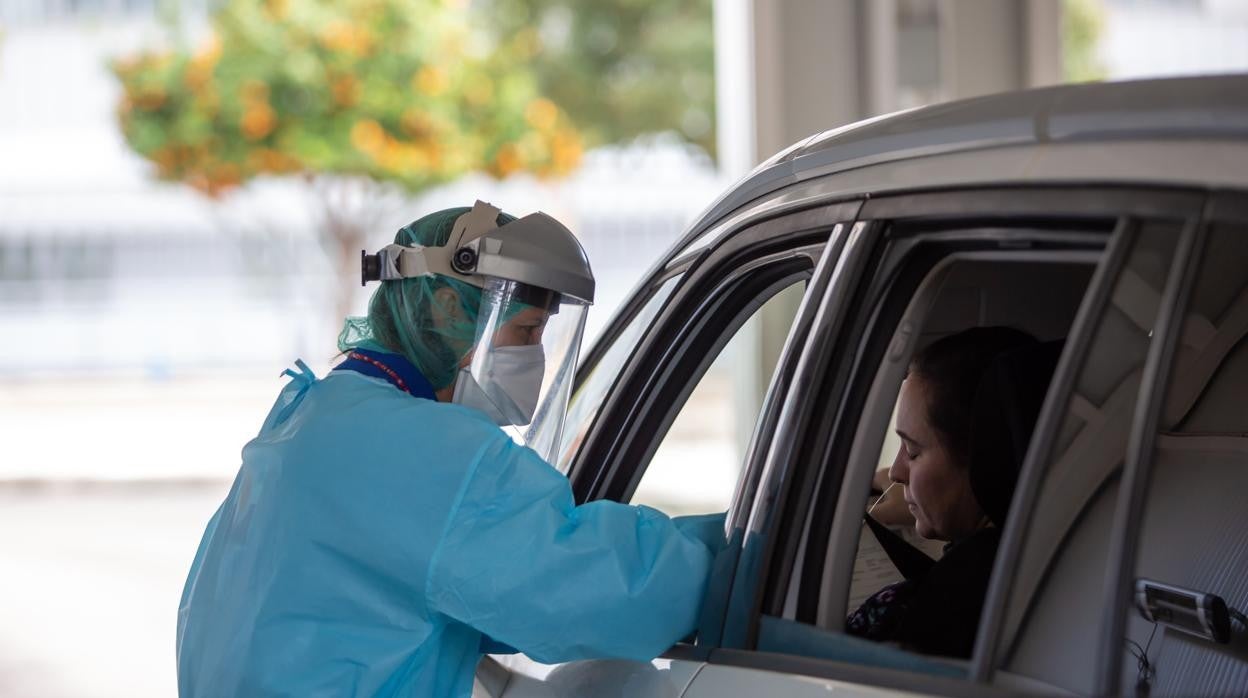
(708, 528)
(519, 562)
(489, 645)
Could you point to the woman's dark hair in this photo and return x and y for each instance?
(952, 368)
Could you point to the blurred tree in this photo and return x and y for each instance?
(364, 100)
(621, 68)
(1082, 24)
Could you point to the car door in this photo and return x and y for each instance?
(651, 371)
(918, 266)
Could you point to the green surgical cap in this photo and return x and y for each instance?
(404, 318)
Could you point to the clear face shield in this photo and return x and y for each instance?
(524, 360)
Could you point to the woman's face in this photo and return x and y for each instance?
(523, 329)
(937, 489)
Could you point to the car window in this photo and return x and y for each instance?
(1038, 298)
(938, 286)
(1192, 544)
(695, 468)
(1053, 615)
(955, 301)
(586, 401)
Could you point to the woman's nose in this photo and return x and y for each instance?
(899, 471)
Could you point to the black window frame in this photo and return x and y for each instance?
(712, 326)
(760, 258)
(756, 258)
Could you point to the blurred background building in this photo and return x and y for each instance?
(145, 323)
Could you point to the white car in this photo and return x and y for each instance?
(1112, 215)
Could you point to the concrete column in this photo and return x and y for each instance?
(734, 88)
(981, 46)
(999, 45)
(1043, 35)
(807, 69)
(877, 48)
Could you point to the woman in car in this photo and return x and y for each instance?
(965, 416)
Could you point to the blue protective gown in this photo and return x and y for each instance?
(371, 539)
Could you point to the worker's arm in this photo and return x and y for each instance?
(522, 564)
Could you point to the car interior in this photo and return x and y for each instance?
(1199, 478)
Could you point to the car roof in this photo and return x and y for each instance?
(1212, 108)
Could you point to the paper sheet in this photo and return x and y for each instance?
(872, 570)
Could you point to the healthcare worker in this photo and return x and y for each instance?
(383, 530)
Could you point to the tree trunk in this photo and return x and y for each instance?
(351, 208)
(349, 243)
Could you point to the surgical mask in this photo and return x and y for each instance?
(510, 387)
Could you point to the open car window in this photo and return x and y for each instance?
(956, 283)
(965, 291)
(1037, 294)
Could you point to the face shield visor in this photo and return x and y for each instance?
(522, 365)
